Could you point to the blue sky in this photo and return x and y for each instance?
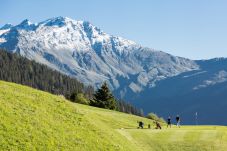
(195, 29)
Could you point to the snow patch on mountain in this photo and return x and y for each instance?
(3, 31)
(194, 74)
(219, 77)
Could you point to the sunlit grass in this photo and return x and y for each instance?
(36, 120)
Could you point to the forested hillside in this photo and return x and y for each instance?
(14, 68)
(17, 69)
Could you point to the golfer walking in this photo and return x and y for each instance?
(178, 121)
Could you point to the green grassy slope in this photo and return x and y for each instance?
(36, 120)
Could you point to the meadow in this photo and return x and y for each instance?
(35, 120)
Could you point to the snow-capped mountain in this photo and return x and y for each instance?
(79, 49)
(151, 79)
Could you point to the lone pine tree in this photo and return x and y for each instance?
(104, 98)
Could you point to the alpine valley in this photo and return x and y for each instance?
(151, 79)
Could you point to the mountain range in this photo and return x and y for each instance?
(152, 79)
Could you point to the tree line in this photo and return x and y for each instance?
(103, 98)
(18, 69)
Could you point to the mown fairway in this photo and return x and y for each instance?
(187, 138)
(36, 120)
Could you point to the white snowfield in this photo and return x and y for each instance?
(81, 50)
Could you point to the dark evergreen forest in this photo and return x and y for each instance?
(17, 69)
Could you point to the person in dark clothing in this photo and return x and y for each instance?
(178, 121)
(140, 124)
(149, 126)
(169, 122)
(158, 125)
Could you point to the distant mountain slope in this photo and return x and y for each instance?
(203, 91)
(77, 48)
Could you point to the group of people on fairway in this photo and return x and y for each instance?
(169, 123)
(158, 125)
(141, 125)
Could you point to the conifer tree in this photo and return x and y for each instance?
(104, 98)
